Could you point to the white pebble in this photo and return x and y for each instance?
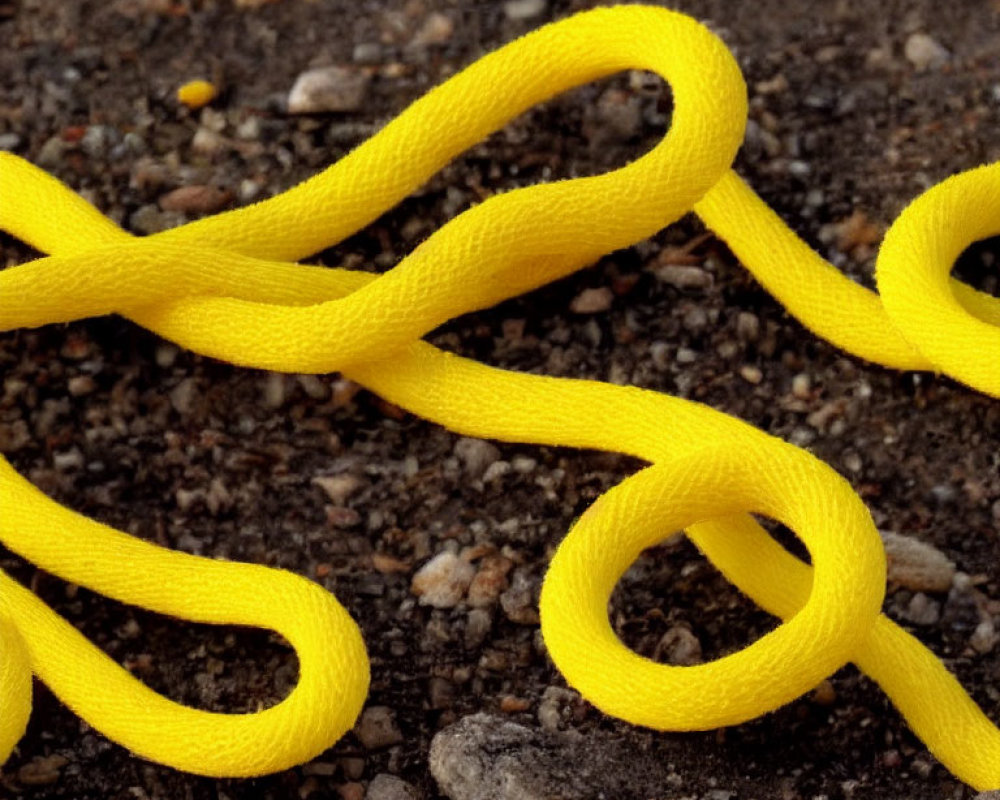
(443, 581)
(328, 89)
(925, 52)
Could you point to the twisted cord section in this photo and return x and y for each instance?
(226, 286)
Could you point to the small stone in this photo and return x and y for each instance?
(314, 387)
(389, 787)
(925, 52)
(514, 705)
(984, 637)
(81, 385)
(250, 129)
(274, 390)
(98, 140)
(678, 646)
(550, 710)
(751, 374)
(51, 153)
(801, 386)
(747, 326)
(490, 581)
(695, 320)
(443, 581)
(218, 497)
(857, 233)
(389, 565)
(921, 767)
(518, 601)
(476, 454)
(328, 89)
(148, 219)
(436, 30)
(775, 85)
(660, 353)
(338, 487)
(249, 190)
(166, 355)
(825, 694)
(41, 771)
(182, 396)
(615, 119)
(685, 355)
(477, 628)
(799, 169)
(683, 277)
(342, 516)
(916, 565)
(351, 791)
(68, 460)
(496, 470)
(921, 610)
(196, 199)
(524, 9)
(592, 301)
(322, 769)
(367, 53)
(9, 141)
(440, 693)
(377, 728)
(523, 465)
(353, 767)
(186, 498)
(208, 142)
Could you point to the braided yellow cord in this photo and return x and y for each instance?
(224, 286)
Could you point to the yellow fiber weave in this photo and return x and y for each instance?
(226, 286)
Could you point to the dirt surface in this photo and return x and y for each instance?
(849, 120)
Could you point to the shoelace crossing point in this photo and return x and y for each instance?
(227, 286)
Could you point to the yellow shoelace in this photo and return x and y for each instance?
(226, 286)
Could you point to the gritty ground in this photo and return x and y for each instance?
(849, 120)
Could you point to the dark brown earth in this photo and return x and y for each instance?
(211, 459)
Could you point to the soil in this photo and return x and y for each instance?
(847, 125)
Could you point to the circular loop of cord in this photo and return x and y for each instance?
(776, 480)
(214, 285)
(949, 323)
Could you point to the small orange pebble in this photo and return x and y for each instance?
(195, 94)
(513, 705)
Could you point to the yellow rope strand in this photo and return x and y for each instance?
(225, 286)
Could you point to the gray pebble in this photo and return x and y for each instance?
(477, 627)
(377, 728)
(482, 757)
(925, 52)
(98, 139)
(9, 141)
(922, 610)
(328, 89)
(367, 53)
(476, 455)
(150, 219)
(389, 787)
(524, 9)
(682, 277)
